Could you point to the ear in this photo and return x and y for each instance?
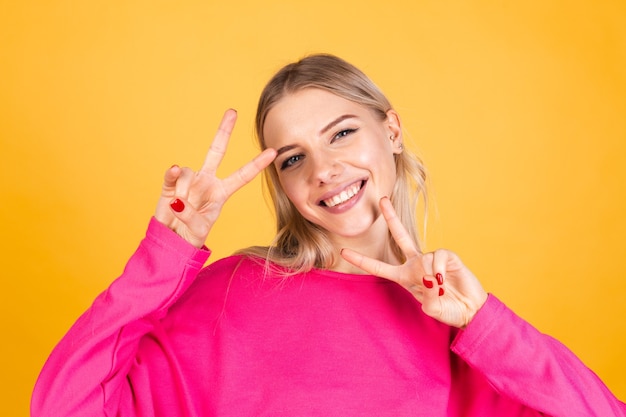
(394, 129)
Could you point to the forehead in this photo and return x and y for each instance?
(306, 112)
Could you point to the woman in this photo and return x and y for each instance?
(343, 315)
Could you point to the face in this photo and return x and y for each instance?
(335, 160)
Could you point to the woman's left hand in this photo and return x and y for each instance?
(447, 289)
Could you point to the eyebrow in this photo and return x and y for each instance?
(335, 122)
(324, 130)
(284, 149)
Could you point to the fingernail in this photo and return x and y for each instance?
(441, 291)
(439, 278)
(427, 283)
(177, 205)
(174, 166)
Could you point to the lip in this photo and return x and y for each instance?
(341, 207)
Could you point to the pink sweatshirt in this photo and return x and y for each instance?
(169, 338)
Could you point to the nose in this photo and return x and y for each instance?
(324, 169)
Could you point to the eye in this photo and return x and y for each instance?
(343, 133)
(291, 161)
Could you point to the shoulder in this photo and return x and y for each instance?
(232, 265)
(217, 277)
(225, 269)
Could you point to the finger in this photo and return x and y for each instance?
(217, 150)
(195, 223)
(183, 182)
(249, 171)
(170, 178)
(168, 191)
(397, 229)
(428, 278)
(431, 294)
(427, 263)
(439, 264)
(369, 265)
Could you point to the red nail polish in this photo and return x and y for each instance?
(439, 278)
(427, 283)
(441, 291)
(177, 205)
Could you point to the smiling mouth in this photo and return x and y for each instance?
(343, 196)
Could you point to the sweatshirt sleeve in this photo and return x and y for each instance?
(532, 368)
(86, 373)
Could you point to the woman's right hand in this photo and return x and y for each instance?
(191, 201)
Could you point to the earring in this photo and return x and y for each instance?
(400, 146)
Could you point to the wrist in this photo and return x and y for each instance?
(475, 307)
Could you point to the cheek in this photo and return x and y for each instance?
(387, 173)
(293, 192)
(373, 151)
(380, 159)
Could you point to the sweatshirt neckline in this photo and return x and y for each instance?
(345, 276)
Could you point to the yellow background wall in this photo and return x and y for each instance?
(518, 109)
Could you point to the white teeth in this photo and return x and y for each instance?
(343, 196)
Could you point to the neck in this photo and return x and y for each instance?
(376, 245)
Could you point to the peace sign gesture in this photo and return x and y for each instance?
(447, 289)
(191, 201)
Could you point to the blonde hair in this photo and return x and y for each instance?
(300, 245)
